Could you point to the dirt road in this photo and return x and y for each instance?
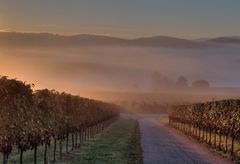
(164, 145)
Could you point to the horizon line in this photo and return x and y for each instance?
(118, 37)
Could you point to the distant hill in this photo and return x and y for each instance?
(49, 40)
(165, 41)
(14, 39)
(226, 40)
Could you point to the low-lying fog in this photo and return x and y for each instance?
(118, 69)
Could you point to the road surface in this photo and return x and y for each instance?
(164, 145)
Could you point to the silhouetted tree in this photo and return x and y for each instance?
(200, 84)
(160, 81)
(182, 82)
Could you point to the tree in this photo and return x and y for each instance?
(160, 81)
(201, 84)
(182, 82)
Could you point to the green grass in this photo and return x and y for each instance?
(117, 144)
(28, 156)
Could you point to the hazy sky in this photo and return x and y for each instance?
(126, 18)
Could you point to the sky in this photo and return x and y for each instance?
(124, 18)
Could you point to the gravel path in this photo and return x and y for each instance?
(164, 145)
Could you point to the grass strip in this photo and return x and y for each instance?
(119, 144)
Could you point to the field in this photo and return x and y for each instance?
(117, 144)
(46, 126)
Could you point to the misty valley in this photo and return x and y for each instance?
(97, 91)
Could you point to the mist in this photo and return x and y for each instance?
(90, 70)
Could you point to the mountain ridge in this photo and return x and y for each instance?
(17, 39)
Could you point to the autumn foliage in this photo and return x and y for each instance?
(31, 118)
(210, 122)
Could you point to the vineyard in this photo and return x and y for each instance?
(30, 119)
(216, 123)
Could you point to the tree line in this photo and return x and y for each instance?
(30, 118)
(161, 81)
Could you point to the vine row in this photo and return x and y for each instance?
(29, 119)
